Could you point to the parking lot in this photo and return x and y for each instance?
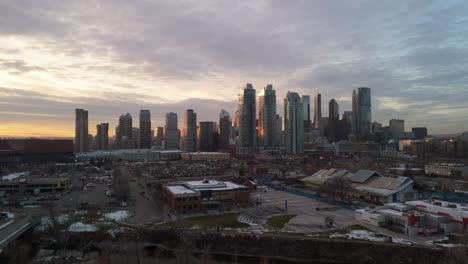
(308, 218)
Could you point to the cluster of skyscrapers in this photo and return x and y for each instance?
(247, 133)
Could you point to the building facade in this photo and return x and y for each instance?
(293, 124)
(361, 102)
(125, 132)
(266, 116)
(397, 128)
(333, 121)
(224, 130)
(102, 137)
(145, 129)
(247, 141)
(81, 131)
(208, 136)
(189, 133)
(318, 112)
(171, 132)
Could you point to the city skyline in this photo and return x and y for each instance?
(113, 59)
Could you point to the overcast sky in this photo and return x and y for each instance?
(119, 56)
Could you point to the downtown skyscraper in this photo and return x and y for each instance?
(318, 112)
(361, 113)
(333, 121)
(102, 136)
(266, 116)
(145, 129)
(294, 124)
(208, 136)
(171, 132)
(189, 132)
(224, 130)
(306, 114)
(81, 131)
(125, 132)
(247, 141)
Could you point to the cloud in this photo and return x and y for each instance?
(119, 56)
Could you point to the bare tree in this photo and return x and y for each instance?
(337, 187)
(121, 185)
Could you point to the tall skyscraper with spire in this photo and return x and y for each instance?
(145, 129)
(189, 133)
(266, 116)
(294, 124)
(81, 131)
(247, 141)
(361, 113)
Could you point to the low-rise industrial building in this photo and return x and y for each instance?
(17, 151)
(423, 218)
(196, 196)
(320, 177)
(446, 169)
(133, 155)
(372, 186)
(34, 185)
(204, 156)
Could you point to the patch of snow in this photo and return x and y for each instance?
(450, 245)
(401, 241)
(13, 176)
(81, 227)
(117, 215)
(9, 215)
(118, 230)
(47, 222)
(361, 235)
(31, 206)
(81, 212)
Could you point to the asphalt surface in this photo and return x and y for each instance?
(142, 208)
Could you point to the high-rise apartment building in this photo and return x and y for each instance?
(125, 132)
(171, 131)
(208, 136)
(159, 137)
(247, 141)
(333, 121)
(81, 131)
(397, 128)
(102, 136)
(318, 113)
(419, 132)
(189, 132)
(266, 115)
(145, 129)
(361, 113)
(224, 130)
(345, 125)
(278, 132)
(293, 124)
(307, 120)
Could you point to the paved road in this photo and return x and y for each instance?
(143, 209)
(23, 219)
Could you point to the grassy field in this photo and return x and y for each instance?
(280, 220)
(226, 220)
